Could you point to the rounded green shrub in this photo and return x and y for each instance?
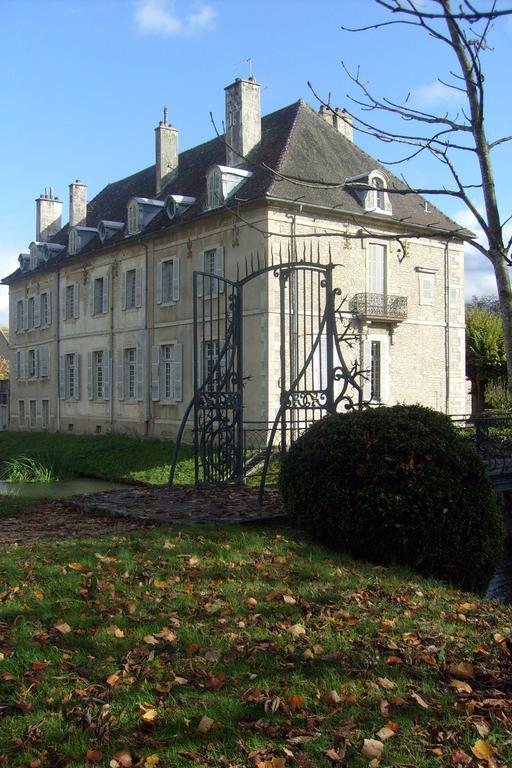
(396, 484)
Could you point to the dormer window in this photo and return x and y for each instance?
(133, 218)
(378, 195)
(214, 188)
(221, 183)
(140, 211)
(73, 242)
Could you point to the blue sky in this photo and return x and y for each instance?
(83, 84)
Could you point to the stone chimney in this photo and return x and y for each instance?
(48, 216)
(339, 119)
(166, 148)
(243, 119)
(77, 204)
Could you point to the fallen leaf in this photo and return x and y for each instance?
(123, 758)
(151, 761)
(113, 680)
(148, 715)
(150, 640)
(251, 602)
(295, 701)
(63, 628)
(385, 683)
(372, 749)
(332, 698)
(385, 733)
(75, 567)
(115, 631)
(460, 758)
(482, 727)
(289, 600)
(94, 755)
(205, 724)
(336, 757)
(463, 670)
(461, 686)
(419, 700)
(482, 750)
(394, 660)
(296, 630)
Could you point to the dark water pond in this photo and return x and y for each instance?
(57, 490)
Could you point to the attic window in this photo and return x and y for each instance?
(133, 218)
(377, 199)
(73, 242)
(214, 188)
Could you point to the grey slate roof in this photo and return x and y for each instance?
(297, 143)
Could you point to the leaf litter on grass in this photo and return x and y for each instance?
(179, 649)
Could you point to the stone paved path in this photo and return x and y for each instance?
(183, 504)
(100, 514)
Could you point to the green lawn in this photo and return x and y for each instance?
(109, 457)
(242, 647)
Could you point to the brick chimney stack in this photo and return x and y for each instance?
(77, 204)
(339, 119)
(48, 216)
(166, 151)
(243, 119)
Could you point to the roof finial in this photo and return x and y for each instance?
(165, 115)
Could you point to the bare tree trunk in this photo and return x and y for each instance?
(501, 271)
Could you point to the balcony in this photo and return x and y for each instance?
(379, 306)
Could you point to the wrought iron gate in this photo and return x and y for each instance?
(313, 379)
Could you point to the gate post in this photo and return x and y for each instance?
(239, 345)
(330, 330)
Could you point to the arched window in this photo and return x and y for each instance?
(73, 242)
(133, 218)
(378, 194)
(214, 188)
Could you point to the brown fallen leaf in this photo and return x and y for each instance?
(461, 686)
(460, 758)
(464, 670)
(295, 701)
(123, 758)
(334, 756)
(332, 698)
(417, 698)
(148, 715)
(94, 755)
(289, 600)
(385, 733)
(385, 683)
(205, 724)
(372, 749)
(251, 602)
(296, 630)
(113, 680)
(483, 751)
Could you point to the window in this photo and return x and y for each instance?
(20, 365)
(131, 289)
(98, 288)
(427, 289)
(70, 302)
(130, 358)
(99, 381)
(45, 413)
(33, 413)
(214, 188)
(211, 356)
(21, 412)
(19, 316)
(170, 281)
(71, 376)
(375, 370)
(377, 269)
(378, 194)
(45, 309)
(133, 218)
(32, 312)
(73, 242)
(213, 264)
(32, 363)
(167, 371)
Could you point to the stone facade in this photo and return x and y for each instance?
(88, 329)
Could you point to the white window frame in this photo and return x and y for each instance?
(130, 373)
(131, 293)
(21, 413)
(133, 218)
(20, 316)
(168, 289)
(377, 277)
(71, 307)
(377, 198)
(45, 309)
(98, 291)
(206, 286)
(214, 189)
(32, 312)
(72, 376)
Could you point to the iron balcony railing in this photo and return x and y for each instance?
(379, 305)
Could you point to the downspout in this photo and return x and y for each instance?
(147, 352)
(447, 324)
(57, 340)
(113, 273)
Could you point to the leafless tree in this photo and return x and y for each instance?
(465, 30)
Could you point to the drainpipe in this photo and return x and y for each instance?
(57, 339)
(147, 378)
(113, 274)
(447, 323)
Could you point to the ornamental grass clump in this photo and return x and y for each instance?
(397, 484)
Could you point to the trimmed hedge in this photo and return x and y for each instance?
(397, 484)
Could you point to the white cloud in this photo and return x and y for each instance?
(436, 94)
(160, 17)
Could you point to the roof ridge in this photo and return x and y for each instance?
(282, 157)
